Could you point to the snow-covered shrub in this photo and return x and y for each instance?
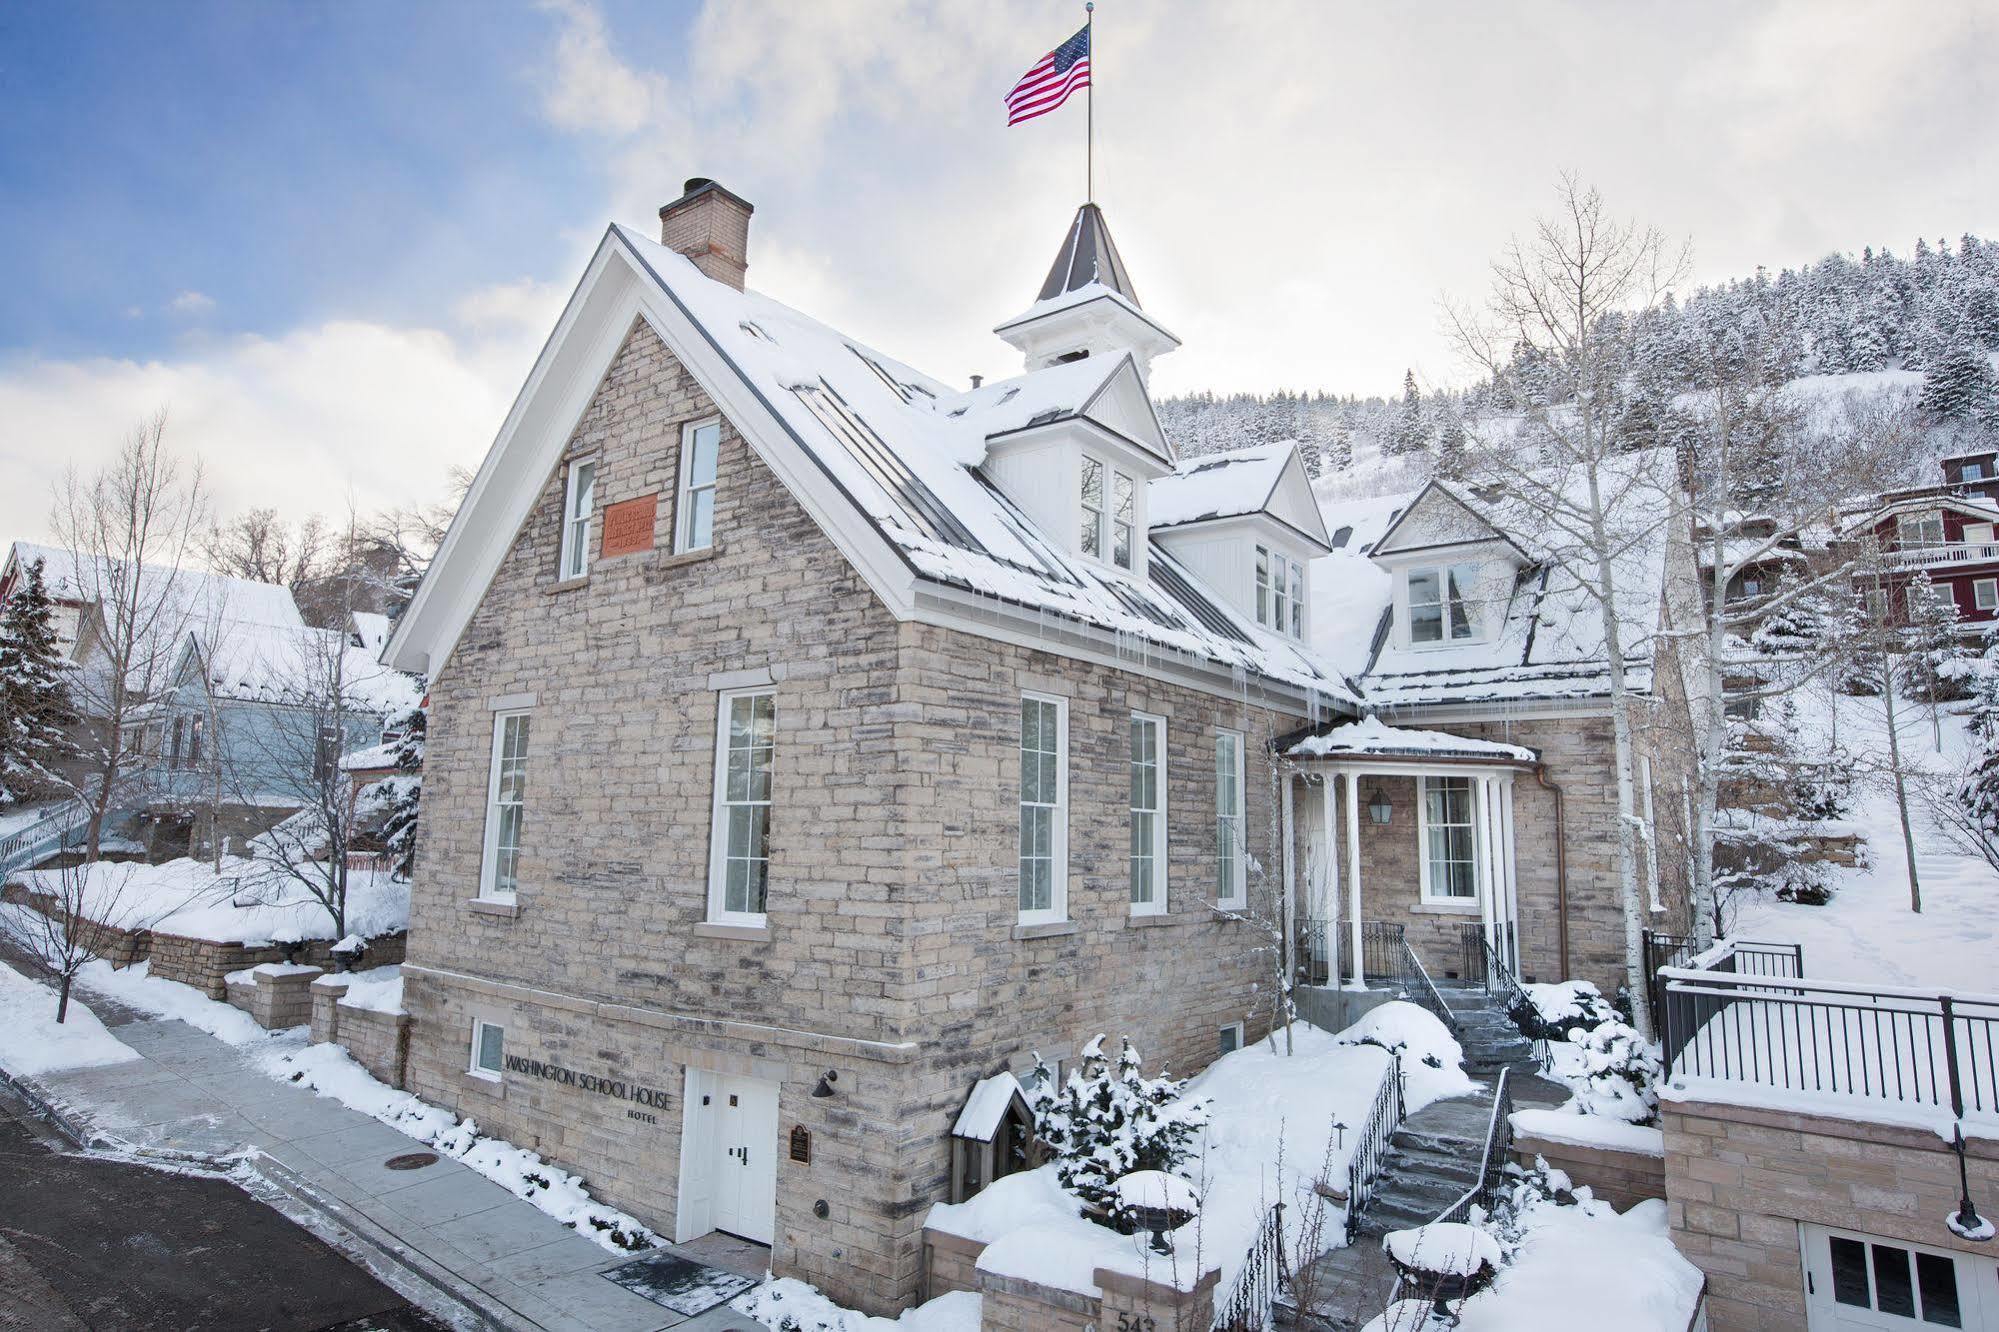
(1806, 882)
(1551, 1012)
(1612, 1072)
(1108, 1120)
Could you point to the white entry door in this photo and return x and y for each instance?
(745, 1157)
(1860, 1283)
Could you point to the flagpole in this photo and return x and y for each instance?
(1090, 105)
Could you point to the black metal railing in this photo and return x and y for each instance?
(1371, 1147)
(1737, 957)
(1322, 941)
(1492, 1162)
(1251, 1299)
(1418, 988)
(1738, 1016)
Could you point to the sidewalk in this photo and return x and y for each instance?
(190, 1097)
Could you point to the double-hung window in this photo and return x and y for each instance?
(1044, 809)
(1440, 603)
(1916, 530)
(1450, 854)
(1148, 814)
(1109, 514)
(506, 806)
(489, 1045)
(1985, 593)
(578, 508)
(739, 856)
(694, 520)
(1231, 854)
(1280, 592)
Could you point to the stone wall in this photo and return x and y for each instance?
(205, 963)
(1011, 1304)
(1739, 1181)
(379, 1042)
(1618, 1177)
(277, 998)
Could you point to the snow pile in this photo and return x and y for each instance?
(137, 987)
(1430, 1056)
(1447, 1248)
(248, 975)
(1584, 1268)
(329, 1070)
(790, 1304)
(1579, 1130)
(246, 903)
(1370, 735)
(32, 1042)
(379, 990)
(1559, 1006)
(1158, 1191)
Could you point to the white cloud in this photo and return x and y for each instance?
(191, 303)
(591, 89)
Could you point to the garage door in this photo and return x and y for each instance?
(1856, 1282)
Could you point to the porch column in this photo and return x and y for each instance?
(1326, 904)
(1287, 825)
(1353, 871)
(1512, 871)
(1484, 836)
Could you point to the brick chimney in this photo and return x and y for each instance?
(710, 226)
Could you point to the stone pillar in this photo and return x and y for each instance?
(327, 992)
(283, 998)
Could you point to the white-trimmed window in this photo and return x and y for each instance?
(1044, 809)
(489, 1050)
(1231, 854)
(506, 807)
(579, 507)
(1914, 530)
(739, 864)
(1978, 534)
(1148, 814)
(1228, 1039)
(694, 515)
(1108, 523)
(1440, 604)
(1985, 593)
(1449, 838)
(1280, 592)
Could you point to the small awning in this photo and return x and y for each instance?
(986, 1107)
(1370, 738)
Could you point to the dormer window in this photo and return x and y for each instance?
(1107, 530)
(1280, 592)
(1440, 607)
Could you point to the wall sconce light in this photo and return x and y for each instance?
(825, 1087)
(1379, 809)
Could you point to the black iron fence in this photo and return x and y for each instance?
(1248, 1305)
(1324, 941)
(1480, 950)
(1371, 1147)
(1744, 957)
(1418, 988)
(1741, 1015)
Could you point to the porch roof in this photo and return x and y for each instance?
(1372, 739)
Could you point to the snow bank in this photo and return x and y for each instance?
(1449, 1248)
(1577, 1130)
(378, 990)
(243, 904)
(32, 1042)
(330, 1071)
(137, 987)
(794, 1306)
(1430, 1056)
(1585, 1269)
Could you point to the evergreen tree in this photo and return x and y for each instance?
(1978, 792)
(1106, 1122)
(1410, 433)
(397, 800)
(1451, 449)
(1958, 383)
(37, 715)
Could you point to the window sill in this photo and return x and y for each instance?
(1446, 908)
(709, 929)
(562, 585)
(675, 559)
(484, 1084)
(1047, 930)
(1144, 920)
(482, 906)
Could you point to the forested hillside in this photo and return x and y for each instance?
(1837, 323)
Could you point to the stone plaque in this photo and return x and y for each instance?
(628, 526)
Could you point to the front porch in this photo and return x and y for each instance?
(1410, 856)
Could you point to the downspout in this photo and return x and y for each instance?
(1561, 870)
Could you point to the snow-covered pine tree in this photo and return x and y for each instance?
(1978, 791)
(1935, 659)
(397, 800)
(1410, 432)
(37, 715)
(1958, 382)
(1451, 447)
(1106, 1121)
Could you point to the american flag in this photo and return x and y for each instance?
(1052, 79)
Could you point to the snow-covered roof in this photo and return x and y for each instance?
(187, 595)
(1218, 485)
(1356, 524)
(899, 450)
(986, 1107)
(1370, 737)
(371, 628)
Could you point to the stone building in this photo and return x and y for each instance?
(811, 740)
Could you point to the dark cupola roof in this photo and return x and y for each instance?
(1088, 255)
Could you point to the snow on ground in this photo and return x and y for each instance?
(32, 1042)
(1589, 1131)
(1867, 934)
(1586, 1269)
(136, 987)
(1270, 1135)
(246, 903)
(379, 989)
(793, 1305)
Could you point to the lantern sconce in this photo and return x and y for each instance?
(825, 1087)
(1379, 809)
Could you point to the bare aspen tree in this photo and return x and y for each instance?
(1562, 300)
(131, 530)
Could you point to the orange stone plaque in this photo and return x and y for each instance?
(628, 526)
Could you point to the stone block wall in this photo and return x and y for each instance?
(206, 963)
(1739, 1181)
(1012, 1304)
(1620, 1178)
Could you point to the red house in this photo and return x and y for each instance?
(1948, 531)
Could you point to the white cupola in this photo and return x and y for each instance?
(1087, 306)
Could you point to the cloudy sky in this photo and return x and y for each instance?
(330, 238)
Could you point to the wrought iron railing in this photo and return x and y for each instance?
(1384, 1116)
(1490, 962)
(47, 834)
(1250, 1300)
(1492, 1161)
(1323, 941)
(1418, 988)
(1735, 1016)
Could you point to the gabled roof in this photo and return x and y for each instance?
(986, 1107)
(1264, 478)
(1088, 255)
(1108, 392)
(1370, 737)
(1454, 516)
(885, 459)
